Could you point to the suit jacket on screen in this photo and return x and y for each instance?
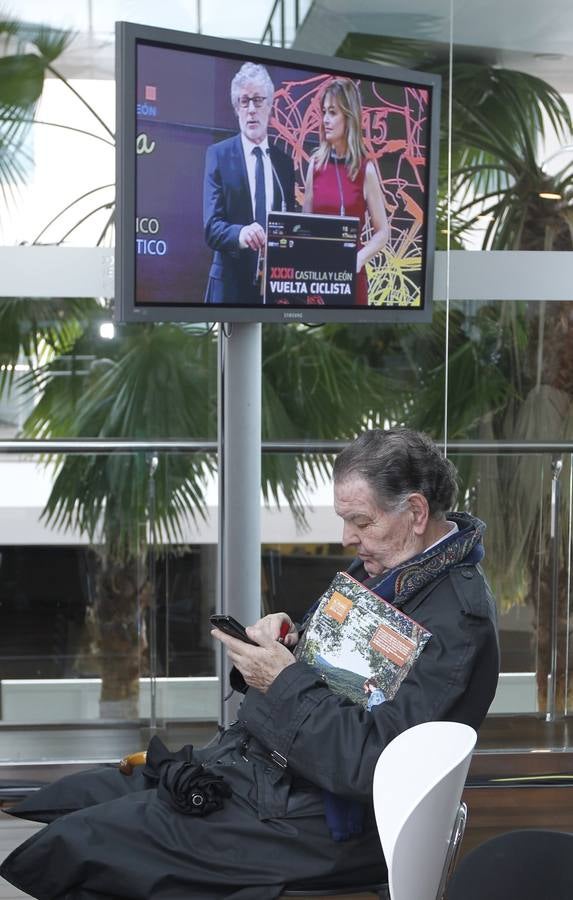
(227, 207)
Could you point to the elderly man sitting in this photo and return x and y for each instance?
(280, 788)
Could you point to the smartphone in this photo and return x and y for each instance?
(230, 626)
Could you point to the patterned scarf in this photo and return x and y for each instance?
(409, 577)
(345, 817)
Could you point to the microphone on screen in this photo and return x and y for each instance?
(278, 181)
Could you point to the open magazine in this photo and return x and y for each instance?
(359, 643)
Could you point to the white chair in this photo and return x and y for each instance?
(418, 784)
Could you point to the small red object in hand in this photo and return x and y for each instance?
(284, 631)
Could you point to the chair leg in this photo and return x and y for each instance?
(453, 853)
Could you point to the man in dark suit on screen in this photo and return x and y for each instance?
(245, 177)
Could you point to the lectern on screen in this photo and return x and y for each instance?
(310, 260)
(187, 110)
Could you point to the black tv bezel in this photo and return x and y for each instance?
(128, 35)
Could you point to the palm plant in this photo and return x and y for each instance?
(32, 329)
(29, 328)
(155, 381)
(28, 53)
(161, 381)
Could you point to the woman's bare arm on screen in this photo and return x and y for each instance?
(377, 213)
(307, 203)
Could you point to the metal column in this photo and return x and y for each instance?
(239, 443)
(556, 469)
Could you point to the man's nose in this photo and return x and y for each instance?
(348, 535)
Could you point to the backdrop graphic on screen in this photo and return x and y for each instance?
(347, 140)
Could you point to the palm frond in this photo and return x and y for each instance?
(28, 52)
(50, 43)
(156, 381)
(314, 386)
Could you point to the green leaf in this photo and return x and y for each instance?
(21, 82)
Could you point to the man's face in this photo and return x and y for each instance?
(382, 539)
(253, 119)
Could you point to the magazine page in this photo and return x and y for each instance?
(359, 643)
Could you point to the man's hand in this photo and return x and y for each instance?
(260, 665)
(276, 626)
(252, 236)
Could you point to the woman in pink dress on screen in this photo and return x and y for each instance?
(341, 180)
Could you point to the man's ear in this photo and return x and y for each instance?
(420, 511)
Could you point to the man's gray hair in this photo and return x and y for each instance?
(251, 72)
(398, 462)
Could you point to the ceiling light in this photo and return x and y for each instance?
(107, 330)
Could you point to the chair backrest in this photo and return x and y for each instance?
(529, 864)
(418, 783)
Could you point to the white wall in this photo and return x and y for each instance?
(25, 487)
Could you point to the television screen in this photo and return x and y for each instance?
(256, 184)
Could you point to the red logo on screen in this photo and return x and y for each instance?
(150, 92)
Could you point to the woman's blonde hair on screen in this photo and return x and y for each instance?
(346, 95)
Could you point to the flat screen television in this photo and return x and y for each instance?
(208, 229)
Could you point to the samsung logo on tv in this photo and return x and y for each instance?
(292, 315)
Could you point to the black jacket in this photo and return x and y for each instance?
(333, 743)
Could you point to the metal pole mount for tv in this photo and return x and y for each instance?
(239, 443)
